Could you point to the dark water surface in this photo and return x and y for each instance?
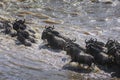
(73, 18)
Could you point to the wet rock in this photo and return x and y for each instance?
(21, 0)
(94, 0)
(106, 1)
(87, 33)
(103, 1)
(38, 15)
(49, 21)
(41, 16)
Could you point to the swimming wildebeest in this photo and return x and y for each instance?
(113, 47)
(74, 52)
(24, 35)
(97, 44)
(19, 24)
(22, 39)
(53, 41)
(97, 53)
(7, 27)
(52, 30)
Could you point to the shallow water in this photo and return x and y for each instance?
(73, 18)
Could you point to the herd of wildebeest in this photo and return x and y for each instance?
(95, 52)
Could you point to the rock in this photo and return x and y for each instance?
(87, 33)
(50, 21)
(94, 0)
(39, 15)
(103, 1)
(106, 1)
(21, 0)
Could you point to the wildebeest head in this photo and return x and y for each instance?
(51, 29)
(94, 46)
(90, 41)
(19, 24)
(46, 34)
(48, 30)
(110, 43)
(95, 41)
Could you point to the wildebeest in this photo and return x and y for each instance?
(52, 30)
(26, 35)
(97, 44)
(22, 39)
(19, 24)
(7, 27)
(96, 52)
(53, 41)
(75, 53)
(113, 47)
(110, 43)
(117, 57)
(95, 41)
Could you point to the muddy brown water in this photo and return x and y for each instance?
(74, 19)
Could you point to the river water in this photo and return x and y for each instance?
(80, 19)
